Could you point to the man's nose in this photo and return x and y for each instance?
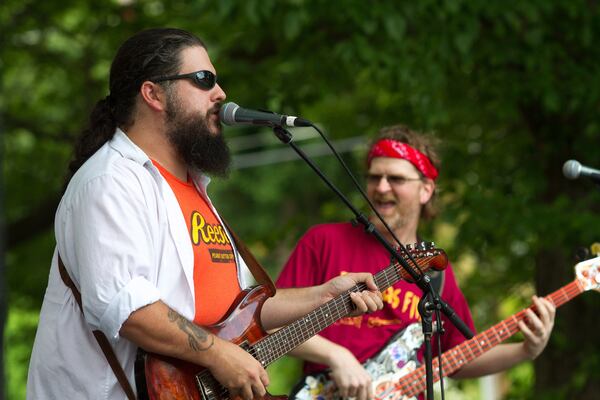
(383, 185)
(218, 94)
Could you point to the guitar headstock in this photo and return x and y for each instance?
(588, 273)
(427, 255)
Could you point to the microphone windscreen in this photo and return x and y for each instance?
(572, 169)
(227, 113)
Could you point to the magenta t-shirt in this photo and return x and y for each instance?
(328, 250)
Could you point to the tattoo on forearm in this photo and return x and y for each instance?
(198, 338)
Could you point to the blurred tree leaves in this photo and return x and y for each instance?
(512, 89)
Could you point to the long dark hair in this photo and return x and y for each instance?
(148, 54)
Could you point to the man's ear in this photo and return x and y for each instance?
(153, 95)
(426, 191)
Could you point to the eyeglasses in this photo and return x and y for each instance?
(205, 80)
(393, 180)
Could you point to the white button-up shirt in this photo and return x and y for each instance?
(124, 242)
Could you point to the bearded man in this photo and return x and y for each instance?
(140, 247)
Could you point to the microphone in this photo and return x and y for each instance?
(573, 169)
(232, 114)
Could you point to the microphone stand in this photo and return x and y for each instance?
(430, 300)
(426, 307)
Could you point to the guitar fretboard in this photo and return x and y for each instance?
(453, 359)
(272, 347)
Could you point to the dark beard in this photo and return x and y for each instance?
(195, 144)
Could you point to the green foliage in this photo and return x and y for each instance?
(520, 379)
(19, 334)
(284, 373)
(511, 89)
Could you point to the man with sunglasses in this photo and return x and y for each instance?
(402, 170)
(141, 248)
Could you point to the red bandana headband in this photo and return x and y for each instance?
(395, 149)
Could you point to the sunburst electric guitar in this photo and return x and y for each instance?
(395, 371)
(159, 377)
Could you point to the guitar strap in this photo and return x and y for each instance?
(257, 270)
(259, 273)
(100, 337)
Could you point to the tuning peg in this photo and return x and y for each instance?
(582, 254)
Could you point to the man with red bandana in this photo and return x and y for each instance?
(401, 183)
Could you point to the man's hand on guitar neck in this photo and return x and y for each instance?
(538, 327)
(536, 331)
(291, 304)
(366, 301)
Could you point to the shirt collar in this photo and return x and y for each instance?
(123, 144)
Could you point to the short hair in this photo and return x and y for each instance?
(426, 144)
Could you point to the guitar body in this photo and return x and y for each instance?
(173, 379)
(164, 378)
(396, 359)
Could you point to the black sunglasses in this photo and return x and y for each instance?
(203, 79)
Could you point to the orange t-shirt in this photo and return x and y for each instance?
(215, 270)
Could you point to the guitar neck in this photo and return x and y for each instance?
(453, 359)
(272, 347)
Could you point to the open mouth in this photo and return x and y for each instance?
(383, 205)
(214, 116)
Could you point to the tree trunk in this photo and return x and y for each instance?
(3, 296)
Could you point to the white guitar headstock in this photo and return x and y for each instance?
(588, 273)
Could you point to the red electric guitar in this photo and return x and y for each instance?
(587, 277)
(169, 378)
(395, 371)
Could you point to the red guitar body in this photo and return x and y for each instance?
(173, 379)
(165, 378)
